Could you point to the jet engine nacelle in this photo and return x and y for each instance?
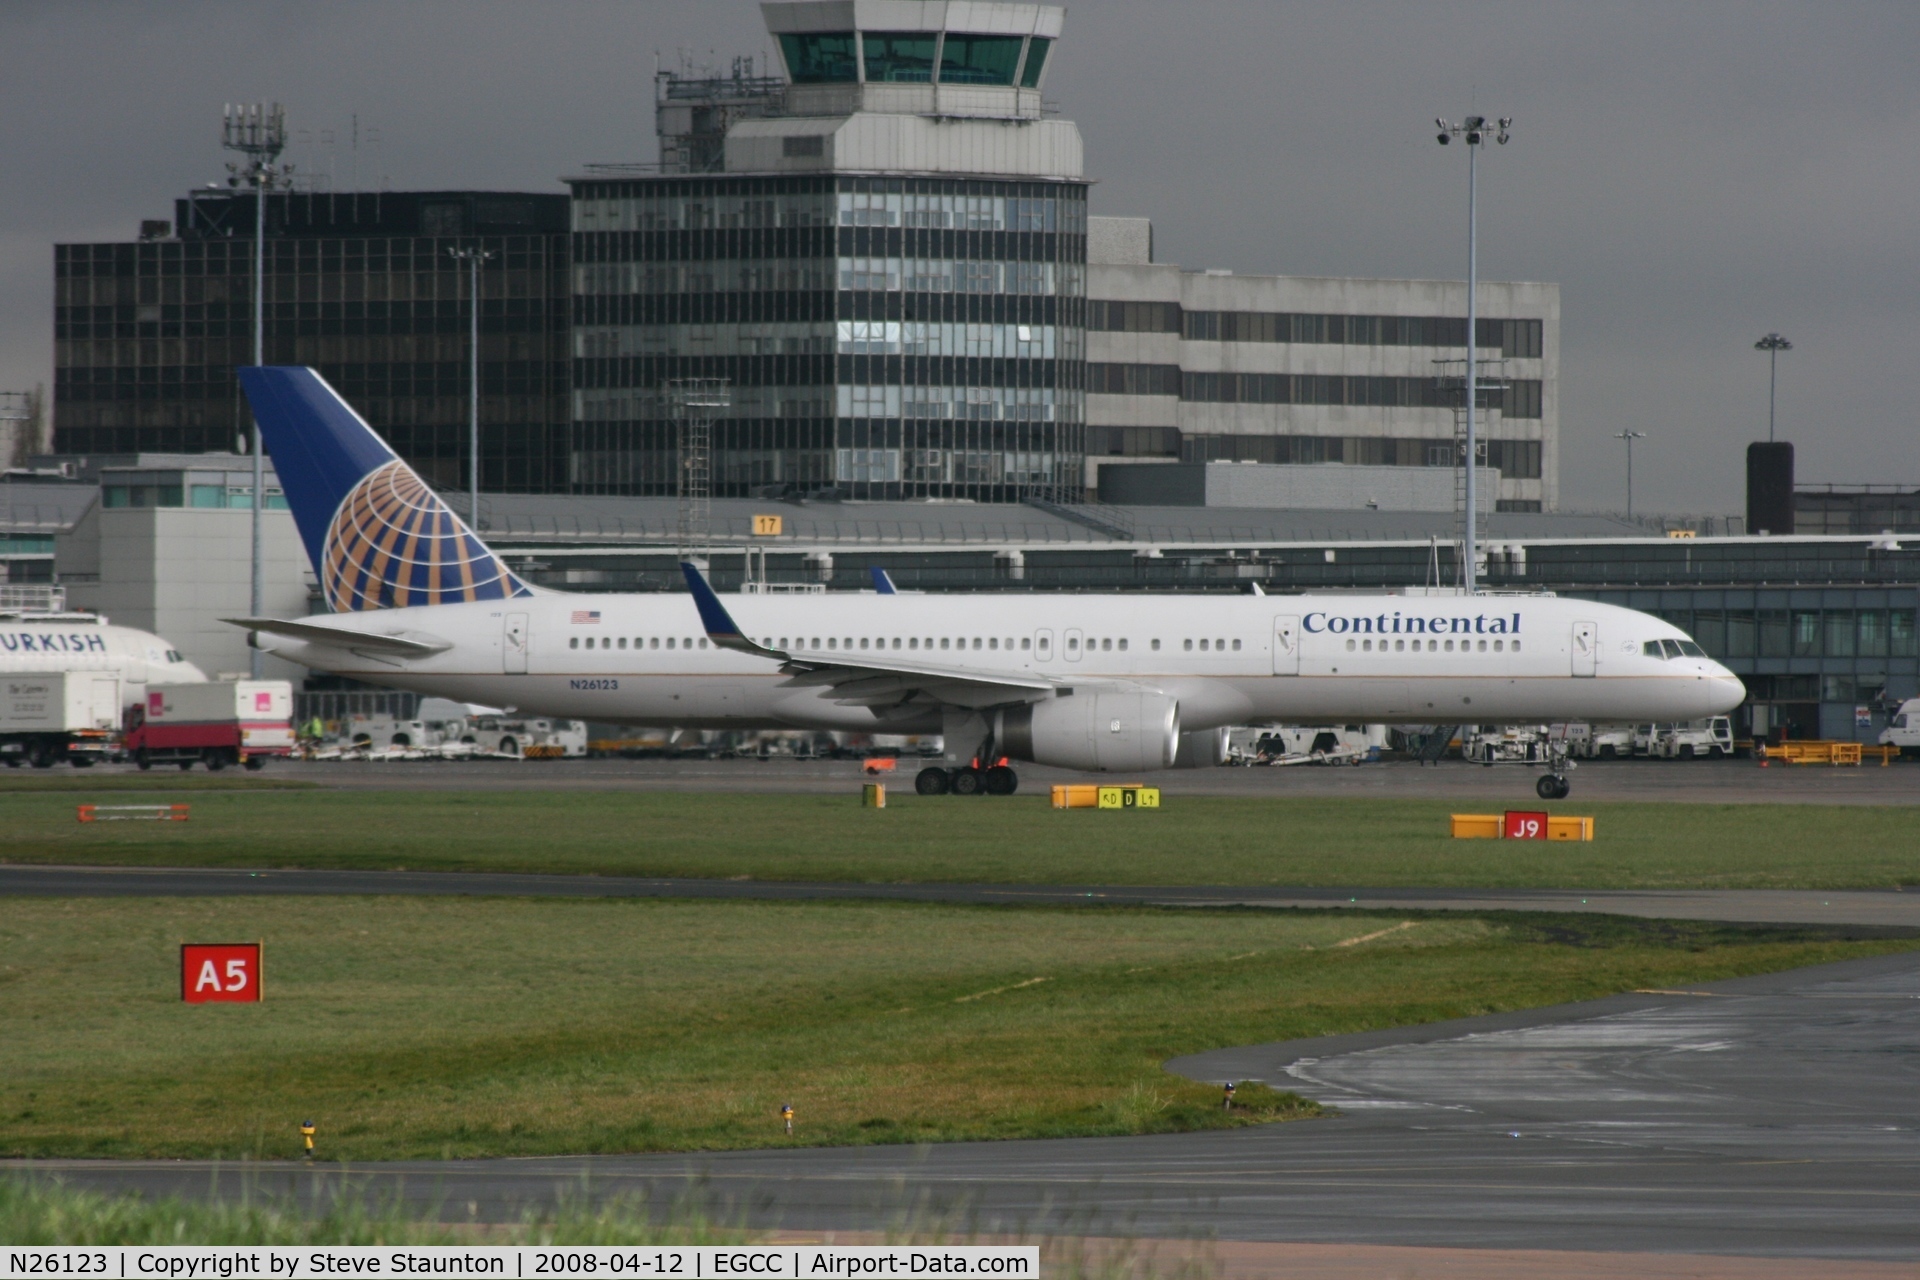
(1102, 732)
(1202, 749)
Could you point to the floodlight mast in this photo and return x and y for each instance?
(473, 256)
(1629, 437)
(259, 133)
(1473, 131)
(1773, 344)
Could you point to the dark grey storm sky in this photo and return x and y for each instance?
(1693, 175)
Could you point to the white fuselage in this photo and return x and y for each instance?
(86, 642)
(645, 659)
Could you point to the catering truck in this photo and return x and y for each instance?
(50, 716)
(219, 723)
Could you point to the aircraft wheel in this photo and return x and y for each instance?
(967, 782)
(1553, 787)
(1002, 781)
(930, 782)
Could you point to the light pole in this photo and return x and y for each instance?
(1773, 344)
(1473, 131)
(473, 257)
(259, 133)
(1629, 437)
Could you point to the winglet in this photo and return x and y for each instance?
(719, 624)
(881, 582)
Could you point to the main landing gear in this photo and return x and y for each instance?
(1554, 785)
(995, 780)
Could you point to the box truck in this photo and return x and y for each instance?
(47, 717)
(224, 722)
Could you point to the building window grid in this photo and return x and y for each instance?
(915, 434)
(382, 317)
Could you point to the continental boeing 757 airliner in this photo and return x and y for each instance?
(1124, 683)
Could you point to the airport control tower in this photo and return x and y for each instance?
(882, 250)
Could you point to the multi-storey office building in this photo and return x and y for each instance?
(1209, 366)
(360, 286)
(888, 268)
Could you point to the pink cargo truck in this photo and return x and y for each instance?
(217, 724)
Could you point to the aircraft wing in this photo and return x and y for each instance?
(394, 645)
(872, 680)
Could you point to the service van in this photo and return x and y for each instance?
(1903, 731)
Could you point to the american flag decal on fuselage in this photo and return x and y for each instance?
(393, 543)
(585, 615)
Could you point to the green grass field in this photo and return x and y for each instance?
(1193, 840)
(425, 1027)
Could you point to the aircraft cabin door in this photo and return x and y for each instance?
(1072, 638)
(1586, 648)
(513, 645)
(1043, 646)
(1286, 646)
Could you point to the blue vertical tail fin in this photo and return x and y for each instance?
(378, 537)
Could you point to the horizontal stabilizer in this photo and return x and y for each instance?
(413, 644)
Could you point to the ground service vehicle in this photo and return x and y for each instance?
(50, 716)
(1097, 682)
(1606, 741)
(1712, 737)
(530, 738)
(1903, 731)
(219, 723)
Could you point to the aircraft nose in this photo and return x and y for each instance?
(1724, 693)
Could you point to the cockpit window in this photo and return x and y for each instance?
(1652, 649)
(173, 655)
(1692, 650)
(1672, 647)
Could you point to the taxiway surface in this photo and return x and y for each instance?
(1877, 909)
(1770, 1116)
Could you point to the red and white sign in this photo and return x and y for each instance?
(220, 971)
(1524, 824)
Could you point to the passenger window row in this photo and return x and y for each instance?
(639, 642)
(949, 643)
(1434, 646)
(1217, 646)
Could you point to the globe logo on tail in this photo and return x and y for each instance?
(393, 543)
